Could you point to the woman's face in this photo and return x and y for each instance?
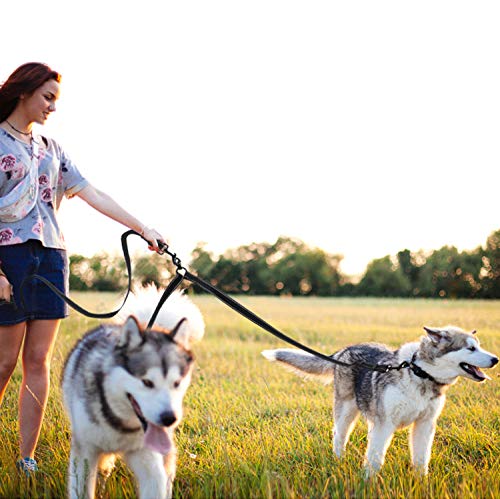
(38, 105)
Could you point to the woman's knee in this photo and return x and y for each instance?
(11, 338)
(7, 367)
(36, 362)
(38, 345)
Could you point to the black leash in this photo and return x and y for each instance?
(181, 274)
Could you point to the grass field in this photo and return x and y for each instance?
(252, 429)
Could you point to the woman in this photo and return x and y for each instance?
(31, 240)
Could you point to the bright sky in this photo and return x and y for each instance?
(360, 127)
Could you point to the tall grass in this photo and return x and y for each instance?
(252, 429)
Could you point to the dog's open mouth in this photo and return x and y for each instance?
(155, 437)
(474, 371)
(138, 412)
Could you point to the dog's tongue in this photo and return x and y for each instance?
(479, 374)
(157, 438)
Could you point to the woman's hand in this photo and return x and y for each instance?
(5, 289)
(152, 236)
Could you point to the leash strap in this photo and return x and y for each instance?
(251, 316)
(183, 273)
(172, 286)
(248, 314)
(71, 303)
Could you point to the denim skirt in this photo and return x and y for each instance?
(19, 262)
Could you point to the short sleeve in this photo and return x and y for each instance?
(72, 180)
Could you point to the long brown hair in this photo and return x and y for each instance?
(24, 80)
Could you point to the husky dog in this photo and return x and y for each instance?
(414, 395)
(123, 388)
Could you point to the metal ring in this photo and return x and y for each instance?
(179, 269)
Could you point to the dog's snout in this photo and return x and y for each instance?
(494, 361)
(168, 418)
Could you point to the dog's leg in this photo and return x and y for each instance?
(170, 465)
(421, 438)
(379, 438)
(346, 414)
(105, 466)
(149, 472)
(82, 471)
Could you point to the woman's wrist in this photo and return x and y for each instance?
(153, 237)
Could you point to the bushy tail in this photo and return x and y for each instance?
(302, 363)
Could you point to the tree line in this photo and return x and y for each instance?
(291, 267)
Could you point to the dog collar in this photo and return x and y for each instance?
(418, 371)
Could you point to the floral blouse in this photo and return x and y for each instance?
(57, 177)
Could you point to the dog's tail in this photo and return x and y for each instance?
(302, 363)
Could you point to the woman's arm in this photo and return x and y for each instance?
(109, 207)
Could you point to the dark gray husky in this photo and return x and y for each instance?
(414, 396)
(123, 388)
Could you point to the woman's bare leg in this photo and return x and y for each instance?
(11, 339)
(37, 353)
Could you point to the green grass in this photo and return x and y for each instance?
(252, 429)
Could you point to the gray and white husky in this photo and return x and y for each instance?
(123, 388)
(411, 396)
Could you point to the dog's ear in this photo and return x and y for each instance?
(180, 333)
(436, 335)
(132, 335)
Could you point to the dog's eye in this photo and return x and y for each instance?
(148, 383)
(177, 384)
(472, 349)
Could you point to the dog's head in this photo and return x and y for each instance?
(454, 352)
(155, 367)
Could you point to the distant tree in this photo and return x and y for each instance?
(298, 269)
(251, 261)
(288, 266)
(384, 278)
(432, 276)
(467, 281)
(106, 272)
(490, 272)
(153, 269)
(226, 274)
(78, 267)
(308, 272)
(449, 273)
(347, 288)
(202, 260)
(408, 265)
